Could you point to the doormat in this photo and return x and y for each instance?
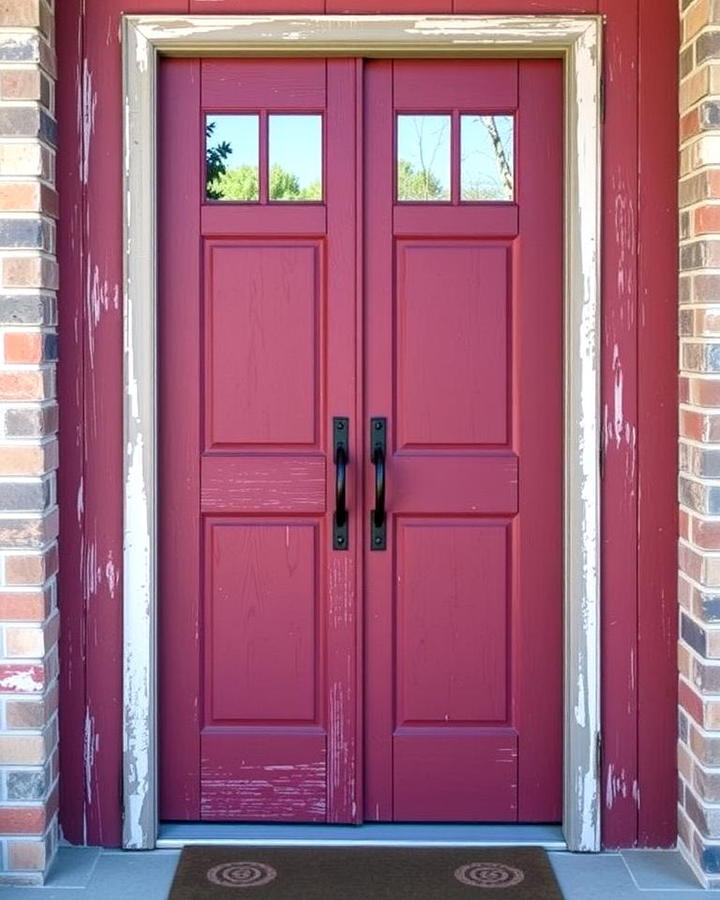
(364, 873)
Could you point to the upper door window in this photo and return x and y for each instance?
(487, 158)
(453, 157)
(423, 157)
(261, 157)
(232, 158)
(295, 153)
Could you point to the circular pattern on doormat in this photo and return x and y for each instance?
(489, 875)
(242, 874)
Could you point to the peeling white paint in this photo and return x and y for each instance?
(578, 39)
(88, 98)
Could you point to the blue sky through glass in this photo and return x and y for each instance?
(486, 157)
(424, 143)
(241, 132)
(295, 144)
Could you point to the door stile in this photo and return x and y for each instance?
(343, 617)
(378, 265)
(362, 446)
(538, 363)
(179, 190)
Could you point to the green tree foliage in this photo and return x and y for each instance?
(215, 162)
(418, 184)
(241, 184)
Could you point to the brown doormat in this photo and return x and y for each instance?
(364, 873)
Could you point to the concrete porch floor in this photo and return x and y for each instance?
(82, 873)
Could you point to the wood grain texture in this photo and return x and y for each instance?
(620, 430)
(259, 603)
(71, 389)
(657, 405)
(180, 189)
(471, 402)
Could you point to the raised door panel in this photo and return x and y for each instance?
(452, 623)
(263, 327)
(261, 620)
(452, 344)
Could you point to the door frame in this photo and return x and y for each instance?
(575, 39)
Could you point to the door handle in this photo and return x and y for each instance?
(378, 431)
(341, 459)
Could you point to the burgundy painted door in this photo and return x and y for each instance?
(354, 254)
(464, 307)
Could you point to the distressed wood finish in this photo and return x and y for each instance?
(375, 36)
(91, 83)
(72, 149)
(657, 406)
(620, 434)
(577, 41)
(458, 673)
(258, 692)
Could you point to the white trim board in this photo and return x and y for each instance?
(577, 40)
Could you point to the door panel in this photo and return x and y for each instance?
(451, 652)
(422, 681)
(262, 355)
(451, 344)
(267, 699)
(463, 705)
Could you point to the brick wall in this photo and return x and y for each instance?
(699, 588)
(28, 446)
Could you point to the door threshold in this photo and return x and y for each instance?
(172, 835)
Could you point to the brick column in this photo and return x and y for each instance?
(28, 446)
(699, 583)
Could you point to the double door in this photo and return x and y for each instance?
(360, 396)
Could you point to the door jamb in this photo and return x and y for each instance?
(575, 39)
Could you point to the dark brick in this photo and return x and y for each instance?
(707, 45)
(31, 422)
(50, 347)
(25, 496)
(27, 309)
(710, 114)
(693, 634)
(26, 785)
(700, 254)
(710, 607)
(710, 859)
(48, 128)
(28, 234)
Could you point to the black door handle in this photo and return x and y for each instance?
(378, 430)
(341, 459)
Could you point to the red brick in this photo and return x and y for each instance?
(690, 702)
(22, 819)
(23, 347)
(706, 220)
(28, 606)
(31, 569)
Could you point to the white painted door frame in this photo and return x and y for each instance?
(575, 39)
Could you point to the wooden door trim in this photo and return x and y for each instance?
(577, 40)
